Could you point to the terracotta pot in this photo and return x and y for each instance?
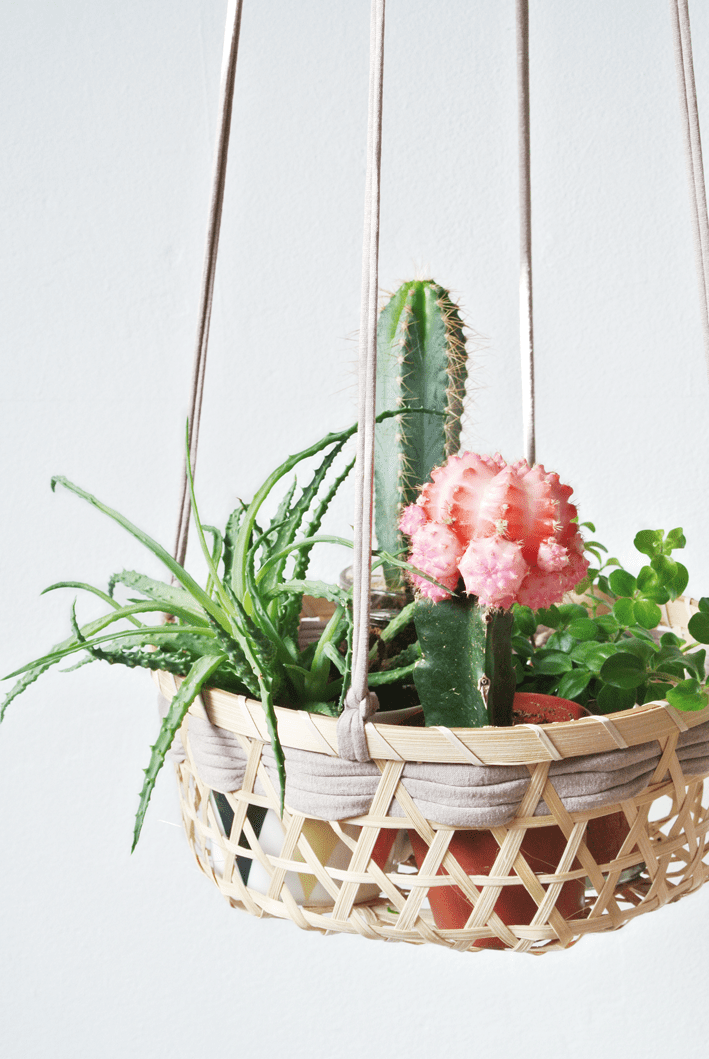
(605, 836)
(476, 850)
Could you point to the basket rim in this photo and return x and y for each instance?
(519, 745)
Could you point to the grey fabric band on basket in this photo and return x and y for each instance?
(455, 795)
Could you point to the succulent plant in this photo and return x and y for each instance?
(509, 532)
(421, 363)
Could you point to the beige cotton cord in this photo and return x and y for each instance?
(361, 704)
(682, 37)
(231, 48)
(526, 318)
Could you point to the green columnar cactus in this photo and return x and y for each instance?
(465, 677)
(421, 363)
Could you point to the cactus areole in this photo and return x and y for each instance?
(484, 535)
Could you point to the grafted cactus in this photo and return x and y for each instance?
(509, 532)
(421, 363)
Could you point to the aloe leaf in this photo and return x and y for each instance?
(405, 658)
(191, 686)
(158, 551)
(217, 543)
(213, 574)
(284, 524)
(96, 592)
(316, 589)
(308, 542)
(291, 611)
(320, 669)
(394, 561)
(379, 678)
(263, 620)
(138, 638)
(397, 623)
(244, 536)
(35, 669)
(168, 596)
(217, 549)
(230, 535)
(335, 657)
(299, 511)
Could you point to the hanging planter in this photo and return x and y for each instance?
(301, 801)
(578, 892)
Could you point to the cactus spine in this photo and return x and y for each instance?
(421, 363)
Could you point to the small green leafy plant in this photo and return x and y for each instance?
(240, 631)
(612, 653)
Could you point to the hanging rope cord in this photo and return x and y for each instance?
(231, 49)
(360, 703)
(682, 36)
(526, 302)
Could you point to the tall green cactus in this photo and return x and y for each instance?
(421, 363)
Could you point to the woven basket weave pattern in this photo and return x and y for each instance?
(665, 851)
(672, 846)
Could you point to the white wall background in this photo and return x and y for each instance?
(108, 119)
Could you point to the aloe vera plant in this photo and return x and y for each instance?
(240, 631)
(421, 363)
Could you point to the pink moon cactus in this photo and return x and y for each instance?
(507, 529)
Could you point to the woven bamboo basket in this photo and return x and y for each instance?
(663, 854)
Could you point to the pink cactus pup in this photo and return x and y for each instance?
(507, 530)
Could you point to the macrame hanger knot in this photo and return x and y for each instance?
(351, 734)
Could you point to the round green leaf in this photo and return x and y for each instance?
(640, 648)
(675, 539)
(592, 655)
(610, 700)
(699, 627)
(553, 663)
(526, 622)
(583, 629)
(647, 578)
(571, 611)
(679, 582)
(573, 683)
(607, 623)
(623, 670)
(550, 617)
(656, 691)
(665, 568)
(646, 613)
(560, 641)
(622, 583)
(658, 594)
(648, 541)
(522, 647)
(687, 695)
(623, 610)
